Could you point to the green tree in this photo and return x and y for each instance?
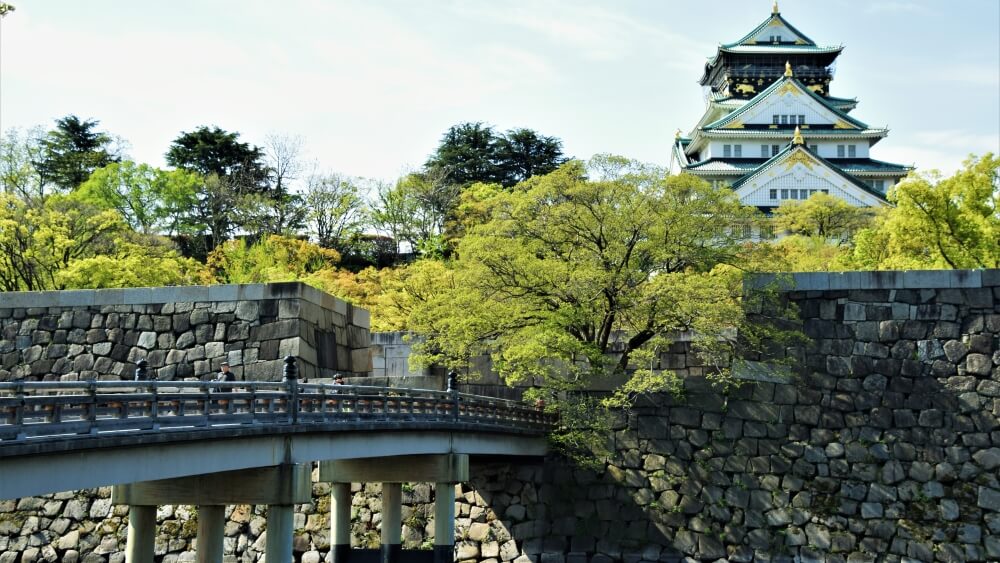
(19, 154)
(232, 170)
(73, 150)
(474, 152)
(149, 199)
(590, 259)
(466, 154)
(823, 216)
(38, 242)
(274, 258)
(134, 261)
(523, 153)
(336, 211)
(938, 222)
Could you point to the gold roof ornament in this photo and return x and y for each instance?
(788, 68)
(774, 8)
(677, 134)
(797, 138)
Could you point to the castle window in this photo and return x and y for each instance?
(784, 120)
(825, 191)
(802, 120)
(774, 194)
(840, 151)
(775, 119)
(727, 151)
(738, 151)
(774, 149)
(763, 151)
(852, 151)
(814, 148)
(784, 194)
(767, 231)
(803, 194)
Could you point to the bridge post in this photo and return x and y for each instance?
(141, 534)
(211, 525)
(278, 546)
(340, 522)
(392, 531)
(444, 523)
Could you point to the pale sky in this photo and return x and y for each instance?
(372, 85)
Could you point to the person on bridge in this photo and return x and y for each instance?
(225, 373)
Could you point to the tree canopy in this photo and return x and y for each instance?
(593, 258)
(474, 152)
(938, 222)
(823, 216)
(73, 150)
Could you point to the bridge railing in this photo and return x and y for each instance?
(55, 410)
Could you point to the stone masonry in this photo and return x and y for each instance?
(884, 447)
(183, 332)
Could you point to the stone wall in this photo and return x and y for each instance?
(886, 447)
(183, 332)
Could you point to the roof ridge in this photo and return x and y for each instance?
(769, 90)
(791, 148)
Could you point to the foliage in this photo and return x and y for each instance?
(271, 259)
(37, 242)
(823, 216)
(149, 199)
(590, 258)
(73, 150)
(136, 263)
(415, 211)
(19, 153)
(474, 152)
(336, 211)
(232, 171)
(800, 253)
(66, 242)
(938, 222)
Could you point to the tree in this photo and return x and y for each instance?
(416, 210)
(608, 255)
(938, 222)
(466, 154)
(231, 170)
(474, 152)
(823, 216)
(149, 199)
(65, 241)
(19, 154)
(274, 258)
(73, 150)
(37, 243)
(523, 153)
(336, 211)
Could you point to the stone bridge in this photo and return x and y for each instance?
(72, 417)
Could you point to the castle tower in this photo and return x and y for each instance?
(759, 91)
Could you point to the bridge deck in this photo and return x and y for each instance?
(66, 435)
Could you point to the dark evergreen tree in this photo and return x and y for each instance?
(73, 150)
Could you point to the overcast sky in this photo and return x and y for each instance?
(372, 85)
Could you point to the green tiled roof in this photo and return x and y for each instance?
(736, 185)
(747, 165)
(766, 23)
(774, 86)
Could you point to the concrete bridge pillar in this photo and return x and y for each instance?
(444, 523)
(279, 487)
(278, 548)
(392, 524)
(211, 526)
(443, 469)
(141, 534)
(340, 522)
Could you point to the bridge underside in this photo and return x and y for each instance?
(90, 462)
